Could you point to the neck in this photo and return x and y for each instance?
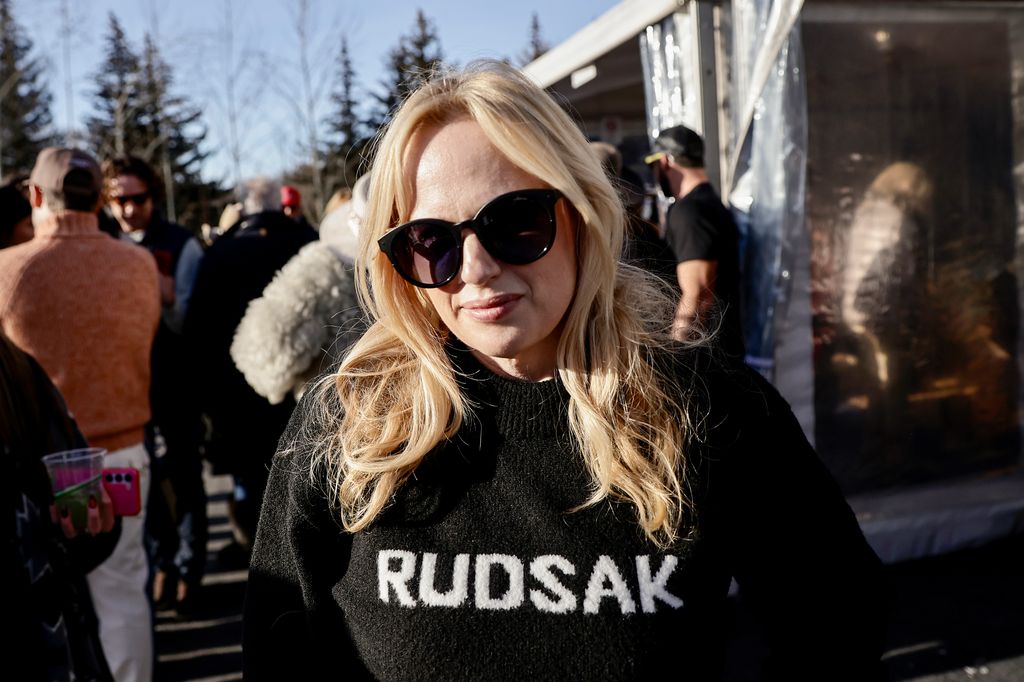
(691, 178)
(65, 222)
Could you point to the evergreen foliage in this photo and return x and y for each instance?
(25, 117)
(175, 134)
(537, 45)
(414, 59)
(139, 113)
(115, 129)
(346, 129)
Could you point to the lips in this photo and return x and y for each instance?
(491, 309)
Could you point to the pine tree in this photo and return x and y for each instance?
(174, 135)
(116, 129)
(139, 114)
(345, 126)
(393, 86)
(25, 118)
(414, 59)
(537, 45)
(424, 54)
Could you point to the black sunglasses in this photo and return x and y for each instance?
(137, 199)
(516, 228)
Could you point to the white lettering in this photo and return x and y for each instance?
(396, 579)
(541, 569)
(513, 597)
(605, 570)
(460, 582)
(552, 592)
(656, 587)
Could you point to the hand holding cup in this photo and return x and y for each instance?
(99, 516)
(80, 503)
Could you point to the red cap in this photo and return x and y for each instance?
(290, 196)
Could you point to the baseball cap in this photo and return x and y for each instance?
(69, 171)
(290, 196)
(679, 142)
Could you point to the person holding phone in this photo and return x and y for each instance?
(86, 307)
(516, 472)
(57, 630)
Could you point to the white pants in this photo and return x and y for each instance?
(118, 586)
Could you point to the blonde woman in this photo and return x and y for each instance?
(516, 473)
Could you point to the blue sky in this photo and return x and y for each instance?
(265, 52)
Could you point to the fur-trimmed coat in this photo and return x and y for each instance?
(309, 312)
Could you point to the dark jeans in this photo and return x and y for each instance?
(177, 526)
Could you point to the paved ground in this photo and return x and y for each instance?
(957, 618)
(208, 647)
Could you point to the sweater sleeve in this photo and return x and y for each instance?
(795, 548)
(293, 628)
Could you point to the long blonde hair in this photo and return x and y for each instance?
(395, 396)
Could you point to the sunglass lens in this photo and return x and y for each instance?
(427, 253)
(518, 230)
(137, 199)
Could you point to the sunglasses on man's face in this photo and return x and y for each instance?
(137, 199)
(516, 228)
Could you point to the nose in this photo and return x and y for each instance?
(128, 208)
(478, 266)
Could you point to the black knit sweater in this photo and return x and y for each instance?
(479, 570)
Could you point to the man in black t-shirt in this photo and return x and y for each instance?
(703, 237)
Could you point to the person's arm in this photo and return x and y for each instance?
(292, 627)
(697, 283)
(796, 549)
(694, 240)
(184, 280)
(200, 319)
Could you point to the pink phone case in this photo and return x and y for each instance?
(122, 485)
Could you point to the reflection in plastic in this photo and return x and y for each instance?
(768, 167)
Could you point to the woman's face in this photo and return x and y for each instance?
(510, 316)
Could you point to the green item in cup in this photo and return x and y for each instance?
(75, 476)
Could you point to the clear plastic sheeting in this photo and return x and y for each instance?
(767, 169)
(914, 195)
(667, 54)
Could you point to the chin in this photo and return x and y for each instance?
(499, 346)
(493, 348)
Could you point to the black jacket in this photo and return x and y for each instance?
(235, 270)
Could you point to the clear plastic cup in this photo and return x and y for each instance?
(75, 476)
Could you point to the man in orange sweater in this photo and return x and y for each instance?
(86, 307)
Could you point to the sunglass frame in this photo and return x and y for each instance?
(548, 197)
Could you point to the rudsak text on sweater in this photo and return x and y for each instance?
(407, 579)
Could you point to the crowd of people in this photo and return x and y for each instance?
(486, 408)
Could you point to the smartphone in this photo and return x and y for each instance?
(122, 485)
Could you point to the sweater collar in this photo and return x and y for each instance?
(68, 224)
(516, 408)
